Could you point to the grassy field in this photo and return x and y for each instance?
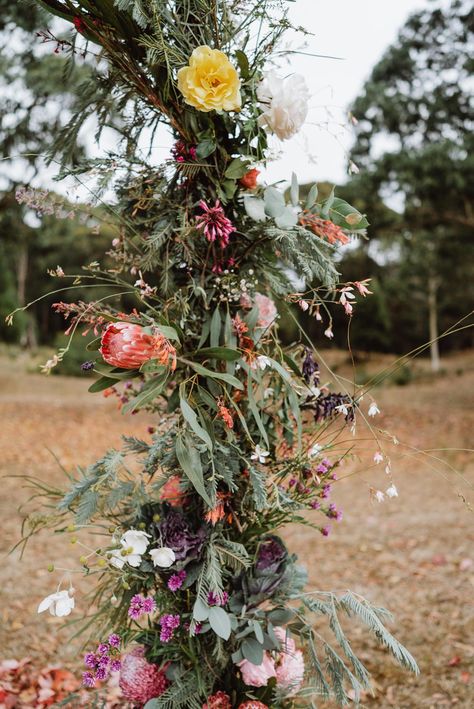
(413, 554)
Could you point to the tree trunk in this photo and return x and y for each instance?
(433, 322)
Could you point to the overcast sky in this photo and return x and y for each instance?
(359, 32)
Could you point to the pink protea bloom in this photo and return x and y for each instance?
(290, 671)
(267, 311)
(141, 681)
(128, 346)
(214, 223)
(258, 675)
(219, 700)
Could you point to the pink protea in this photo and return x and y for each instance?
(128, 346)
(219, 700)
(290, 671)
(141, 681)
(214, 223)
(172, 493)
(267, 311)
(258, 675)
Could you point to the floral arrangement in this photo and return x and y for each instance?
(198, 602)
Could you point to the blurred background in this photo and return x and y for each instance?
(391, 125)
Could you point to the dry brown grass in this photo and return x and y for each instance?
(413, 554)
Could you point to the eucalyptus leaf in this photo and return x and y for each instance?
(255, 208)
(274, 202)
(252, 650)
(294, 190)
(191, 418)
(190, 461)
(220, 622)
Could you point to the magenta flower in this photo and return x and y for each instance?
(168, 623)
(88, 679)
(114, 640)
(214, 223)
(90, 660)
(139, 605)
(176, 580)
(217, 599)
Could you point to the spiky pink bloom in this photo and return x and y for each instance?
(290, 671)
(128, 346)
(214, 223)
(140, 680)
(219, 700)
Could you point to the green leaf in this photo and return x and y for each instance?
(243, 63)
(190, 461)
(220, 622)
(101, 384)
(215, 327)
(281, 616)
(224, 353)
(312, 197)
(287, 219)
(168, 332)
(191, 418)
(237, 169)
(252, 650)
(255, 413)
(150, 391)
(327, 204)
(206, 147)
(343, 214)
(255, 208)
(294, 190)
(274, 202)
(228, 378)
(257, 629)
(292, 364)
(200, 610)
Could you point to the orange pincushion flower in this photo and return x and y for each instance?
(249, 180)
(323, 228)
(225, 414)
(219, 512)
(128, 346)
(172, 493)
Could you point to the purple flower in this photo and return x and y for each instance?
(168, 623)
(177, 534)
(104, 661)
(271, 555)
(310, 368)
(176, 580)
(325, 531)
(102, 673)
(115, 665)
(88, 679)
(114, 640)
(292, 482)
(148, 605)
(139, 605)
(90, 660)
(326, 491)
(217, 599)
(315, 505)
(103, 649)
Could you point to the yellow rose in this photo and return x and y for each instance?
(210, 82)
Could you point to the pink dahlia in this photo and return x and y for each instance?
(267, 311)
(141, 681)
(219, 700)
(290, 671)
(128, 346)
(258, 675)
(214, 223)
(253, 704)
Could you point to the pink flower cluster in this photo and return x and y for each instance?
(102, 662)
(217, 599)
(168, 623)
(141, 605)
(214, 223)
(287, 667)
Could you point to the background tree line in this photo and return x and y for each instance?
(420, 255)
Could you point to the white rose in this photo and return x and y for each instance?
(59, 603)
(163, 557)
(284, 104)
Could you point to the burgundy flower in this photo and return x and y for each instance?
(140, 680)
(214, 223)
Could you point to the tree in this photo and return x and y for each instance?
(416, 102)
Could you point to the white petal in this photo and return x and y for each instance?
(45, 603)
(64, 607)
(163, 557)
(134, 560)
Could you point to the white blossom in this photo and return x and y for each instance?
(329, 333)
(315, 450)
(391, 491)
(379, 496)
(260, 454)
(59, 604)
(284, 104)
(134, 544)
(263, 362)
(373, 409)
(163, 557)
(378, 457)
